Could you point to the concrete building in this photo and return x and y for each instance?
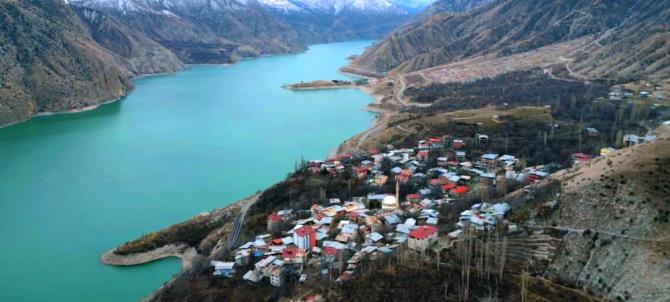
(422, 238)
(304, 238)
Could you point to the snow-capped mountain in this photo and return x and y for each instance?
(213, 31)
(414, 4)
(338, 6)
(333, 6)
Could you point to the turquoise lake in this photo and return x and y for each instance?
(75, 185)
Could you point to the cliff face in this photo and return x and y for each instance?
(514, 26)
(132, 49)
(210, 33)
(49, 62)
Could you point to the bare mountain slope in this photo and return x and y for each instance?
(514, 26)
(135, 51)
(48, 62)
(612, 216)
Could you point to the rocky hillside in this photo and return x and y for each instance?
(58, 55)
(613, 219)
(632, 32)
(49, 62)
(221, 31)
(136, 52)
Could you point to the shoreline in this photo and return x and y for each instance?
(184, 252)
(94, 106)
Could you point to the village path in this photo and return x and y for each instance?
(581, 231)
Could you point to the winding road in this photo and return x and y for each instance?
(239, 222)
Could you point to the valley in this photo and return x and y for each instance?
(515, 150)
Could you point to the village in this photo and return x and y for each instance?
(334, 238)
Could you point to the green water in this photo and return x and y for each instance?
(73, 186)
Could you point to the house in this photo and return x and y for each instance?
(304, 237)
(374, 237)
(350, 230)
(274, 223)
(223, 269)
(380, 180)
(592, 132)
(422, 238)
(361, 172)
(606, 151)
(507, 160)
(460, 190)
(482, 138)
(242, 257)
(252, 275)
(413, 197)
(276, 273)
(460, 155)
(580, 158)
(404, 176)
(489, 160)
(293, 254)
(631, 139)
(422, 155)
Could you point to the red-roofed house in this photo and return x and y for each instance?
(448, 187)
(422, 238)
(405, 175)
(361, 172)
(581, 158)
(460, 190)
(274, 223)
(305, 238)
(293, 254)
(422, 155)
(414, 197)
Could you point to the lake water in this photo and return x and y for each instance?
(73, 186)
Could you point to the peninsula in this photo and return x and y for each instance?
(325, 84)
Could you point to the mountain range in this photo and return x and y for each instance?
(58, 55)
(627, 39)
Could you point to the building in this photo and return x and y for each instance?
(304, 238)
(274, 223)
(276, 273)
(293, 254)
(592, 132)
(489, 160)
(581, 158)
(422, 238)
(389, 203)
(223, 269)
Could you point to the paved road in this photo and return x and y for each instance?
(239, 222)
(400, 95)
